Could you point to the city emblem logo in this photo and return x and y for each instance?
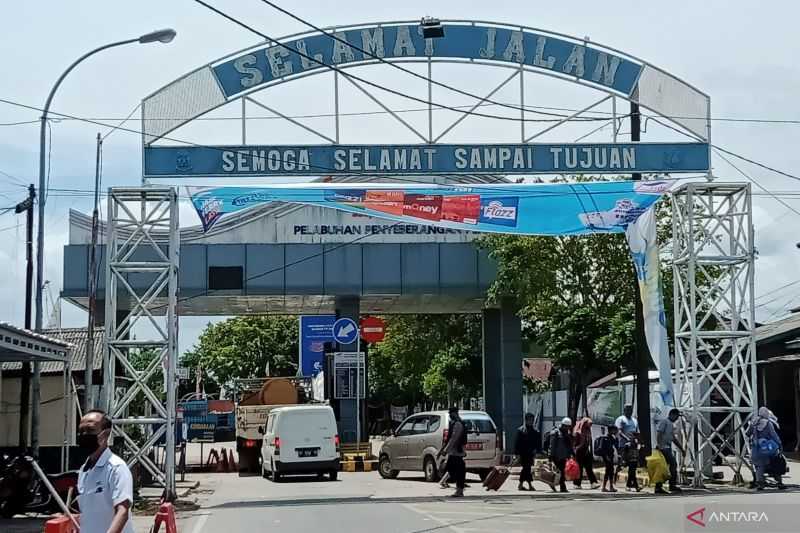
(183, 162)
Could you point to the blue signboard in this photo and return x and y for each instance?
(305, 160)
(345, 331)
(548, 53)
(315, 331)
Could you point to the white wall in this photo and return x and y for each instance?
(51, 428)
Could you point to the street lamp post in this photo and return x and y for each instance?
(162, 36)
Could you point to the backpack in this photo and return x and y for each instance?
(603, 447)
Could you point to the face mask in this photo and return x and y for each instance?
(88, 442)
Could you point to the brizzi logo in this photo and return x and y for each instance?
(500, 211)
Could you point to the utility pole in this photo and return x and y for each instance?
(641, 351)
(88, 397)
(25, 399)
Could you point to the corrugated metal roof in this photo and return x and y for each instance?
(77, 338)
(778, 328)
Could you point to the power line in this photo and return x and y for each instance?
(363, 80)
(317, 167)
(756, 183)
(385, 62)
(756, 163)
(777, 289)
(320, 168)
(527, 108)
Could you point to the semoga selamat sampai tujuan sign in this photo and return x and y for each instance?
(279, 160)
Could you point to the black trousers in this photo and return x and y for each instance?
(561, 465)
(526, 474)
(609, 475)
(585, 462)
(673, 466)
(457, 469)
(632, 481)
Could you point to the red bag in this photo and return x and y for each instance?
(572, 471)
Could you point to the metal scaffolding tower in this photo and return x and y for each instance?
(141, 284)
(715, 353)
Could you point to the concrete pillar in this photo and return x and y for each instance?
(502, 368)
(348, 307)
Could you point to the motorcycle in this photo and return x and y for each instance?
(22, 491)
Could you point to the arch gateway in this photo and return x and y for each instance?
(307, 269)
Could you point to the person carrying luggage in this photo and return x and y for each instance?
(630, 456)
(526, 445)
(457, 439)
(765, 446)
(559, 449)
(582, 440)
(665, 438)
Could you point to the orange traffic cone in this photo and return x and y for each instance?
(165, 515)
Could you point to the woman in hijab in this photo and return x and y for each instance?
(582, 440)
(763, 429)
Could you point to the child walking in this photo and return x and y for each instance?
(608, 453)
(631, 457)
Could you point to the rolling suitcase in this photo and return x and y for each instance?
(496, 477)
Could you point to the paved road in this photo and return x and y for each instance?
(363, 502)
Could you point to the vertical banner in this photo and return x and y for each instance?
(315, 331)
(641, 236)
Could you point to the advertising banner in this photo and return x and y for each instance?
(523, 209)
(641, 237)
(315, 331)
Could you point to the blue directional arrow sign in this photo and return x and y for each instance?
(345, 331)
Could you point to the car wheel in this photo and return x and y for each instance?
(431, 469)
(334, 475)
(385, 468)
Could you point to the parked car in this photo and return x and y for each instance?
(415, 443)
(300, 439)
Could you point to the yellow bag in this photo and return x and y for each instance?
(657, 467)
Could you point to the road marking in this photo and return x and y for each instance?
(201, 522)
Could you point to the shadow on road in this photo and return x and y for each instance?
(478, 496)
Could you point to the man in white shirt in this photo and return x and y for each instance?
(105, 485)
(627, 425)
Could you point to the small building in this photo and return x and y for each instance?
(778, 348)
(51, 428)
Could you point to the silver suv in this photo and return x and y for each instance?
(419, 438)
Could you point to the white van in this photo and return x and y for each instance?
(300, 439)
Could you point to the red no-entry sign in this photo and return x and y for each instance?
(373, 329)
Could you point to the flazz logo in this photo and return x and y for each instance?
(697, 517)
(500, 211)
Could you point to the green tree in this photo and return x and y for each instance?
(427, 358)
(576, 296)
(243, 347)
